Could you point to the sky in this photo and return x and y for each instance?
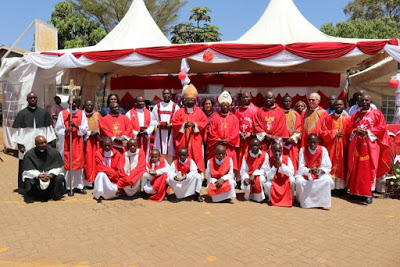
(233, 17)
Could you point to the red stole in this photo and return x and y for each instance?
(91, 145)
(135, 174)
(159, 182)
(281, 191)
(293, 124)
(143, 141)
(111, 172)
(77, 141)
(183, 168)
(255, 164)
(217, 171)
(312, 160)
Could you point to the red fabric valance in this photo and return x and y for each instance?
(247, 51)
(283, 79)
(373, 47)
(172, 52)
(105, 56)
(320, 51)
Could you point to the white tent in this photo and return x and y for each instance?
(282, 40)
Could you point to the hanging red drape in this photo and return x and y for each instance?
(320, 51)
(247, 51)
(105, 56)
(172, 52)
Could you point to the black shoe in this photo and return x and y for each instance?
(80, 191)
(145, 195)
(165, 197)
(238, 184)
(100, 199)
(197, 197)
(71, 193)
(369, 200)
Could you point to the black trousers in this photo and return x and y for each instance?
(55, 190)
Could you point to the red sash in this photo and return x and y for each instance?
(281, 191)
(143, 141)
(255, 164)
(77, 141)
(159, 182)
(183, 168)
(217, 171)
(312, 160)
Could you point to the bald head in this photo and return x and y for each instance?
(270, 99)
(41, 143)
(32, 99)
(139, 102)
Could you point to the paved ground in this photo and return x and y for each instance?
(77, 231)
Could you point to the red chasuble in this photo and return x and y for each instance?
(337, 146)
(193, 141)
(135, 174)
(142, 142)
(112, 173)
(281, 191)
(183, 168)
(254, 164)
(293, 124)
(113, 126)
(312, 121)
(159, 182)
(246, 125)
(311, 160)
(224, 128)
(77, 141)
(270, 120)
(217, 171)
(91, 145)
(367, 160)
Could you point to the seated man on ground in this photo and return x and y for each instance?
(42, 171)
(280, 184)
(132, 166)
(220, 176)
(154, 181)
(184, 178)
(252, 171)
(107, 163)
(313, 179)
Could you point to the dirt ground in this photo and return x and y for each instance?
(78, 231)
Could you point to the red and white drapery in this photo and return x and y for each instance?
(267, 55)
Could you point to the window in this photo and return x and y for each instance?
(389, 107)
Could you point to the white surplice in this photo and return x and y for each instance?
(229, 176)
(314, 193)
(187, 187)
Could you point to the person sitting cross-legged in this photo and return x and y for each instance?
(42, 171)
(220, 176)
(107, 163)
(154, 181)
(184, 178)
(313, 179)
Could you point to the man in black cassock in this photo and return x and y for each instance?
(29, 123)
(42, 172)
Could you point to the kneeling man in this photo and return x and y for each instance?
(155, 178)
(107, 162)
(184, 178)
(313, 179)
(131, 168)
(220, 176)
(280, 184)
(252, 171)
(42, 171)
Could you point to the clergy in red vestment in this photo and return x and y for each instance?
(293, 124)
(107, 177)
(116, 126)
(220, 176)
(132, 166)
(313, 118)
(245, 113)
(189, 124)
(270, 123)
(91, 140)
(280, 184)
(78, 129)
(336, 140)
(154, 181)
(224, 130)
(142, 124)
(252, 171)
(368, 150)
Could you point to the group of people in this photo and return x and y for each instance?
(271, 153)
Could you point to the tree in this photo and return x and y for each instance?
(188, 33)
(382, 28)
(373, 9)
(110, 12)
(74, 30)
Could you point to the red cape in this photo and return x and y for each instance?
(255, 164)
(135, 174)
(77, 141)
(293, 124)
(90, 147)
(113, 172)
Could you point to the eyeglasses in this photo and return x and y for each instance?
(32, 97)
(364, 100)
(312, 100)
